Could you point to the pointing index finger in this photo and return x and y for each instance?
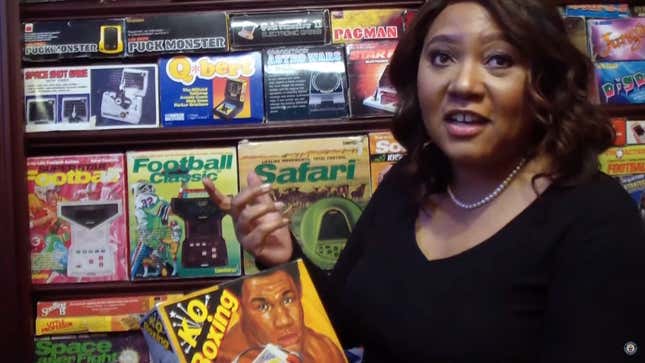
(221, 200)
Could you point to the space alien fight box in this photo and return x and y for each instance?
(275, 316)
(177, 33)
(57, 39)
(304, 83)
(211, 90)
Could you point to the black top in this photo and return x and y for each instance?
(564, 281)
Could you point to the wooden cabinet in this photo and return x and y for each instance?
(18, 294)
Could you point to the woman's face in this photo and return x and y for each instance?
(471, 87)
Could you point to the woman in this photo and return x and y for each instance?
(496, 239)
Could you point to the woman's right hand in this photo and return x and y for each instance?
(260, 226)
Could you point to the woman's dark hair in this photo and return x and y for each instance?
(568, 128)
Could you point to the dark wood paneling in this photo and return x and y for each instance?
(15, 308)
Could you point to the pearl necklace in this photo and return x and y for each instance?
(492, 195)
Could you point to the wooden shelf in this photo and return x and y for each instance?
(97, 289)
(101, 8)
(124, 139)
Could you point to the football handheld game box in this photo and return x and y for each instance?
(234, 322)
(618, 161)
(176, 231)
(51, 40)
(77, 218)
(324, 183)
(91, 97)
(211, 90)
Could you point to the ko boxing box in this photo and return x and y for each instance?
(304, 83)
(50, 40)
(211, 90)
(194, 32)
(91, 97)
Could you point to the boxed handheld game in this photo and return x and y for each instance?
(279, 28)
(50, 40)
(177, 33)
(303, 83)
(91, 97)
(234, 322)
(324, 182)
(350, 26)
(628, 132)
(371, 93)
(127, 347)
(621, 82)
(626, 160)
(77, 218)
(617, 39)
(106, 314)
(598, 10)
(176, 231)
(211, 90)
(385, 151)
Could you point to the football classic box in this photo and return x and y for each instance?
(235, 322)
(211, 90)
(194, 32)
(91, 97)
(77, 219)
(324, 183)
(176, 231)
(79, 38)
(304, 83)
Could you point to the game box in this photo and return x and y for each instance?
(385, 151)
(234, 322)
(127, 347)
(621, 82)
(261, 30)
(194, 32)
(176, 231)
(618, 161)
(91, 97)
(211, 90)
(613, 40)
(77, 227)
(303, 83)
(349, 26)
(56, 39)
(598, 10)
(324, 183)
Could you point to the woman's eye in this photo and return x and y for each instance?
(500, 61)
(440, 58)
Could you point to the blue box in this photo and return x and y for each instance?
(211, 90)
(621, 82)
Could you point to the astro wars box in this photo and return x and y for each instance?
(621, 82)
(211, 90)
(324, 182)
(176, 231)
(177, 33)
(77, 214)
(50, 40)
(275, 316)
(91, 97)
(305, 83)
